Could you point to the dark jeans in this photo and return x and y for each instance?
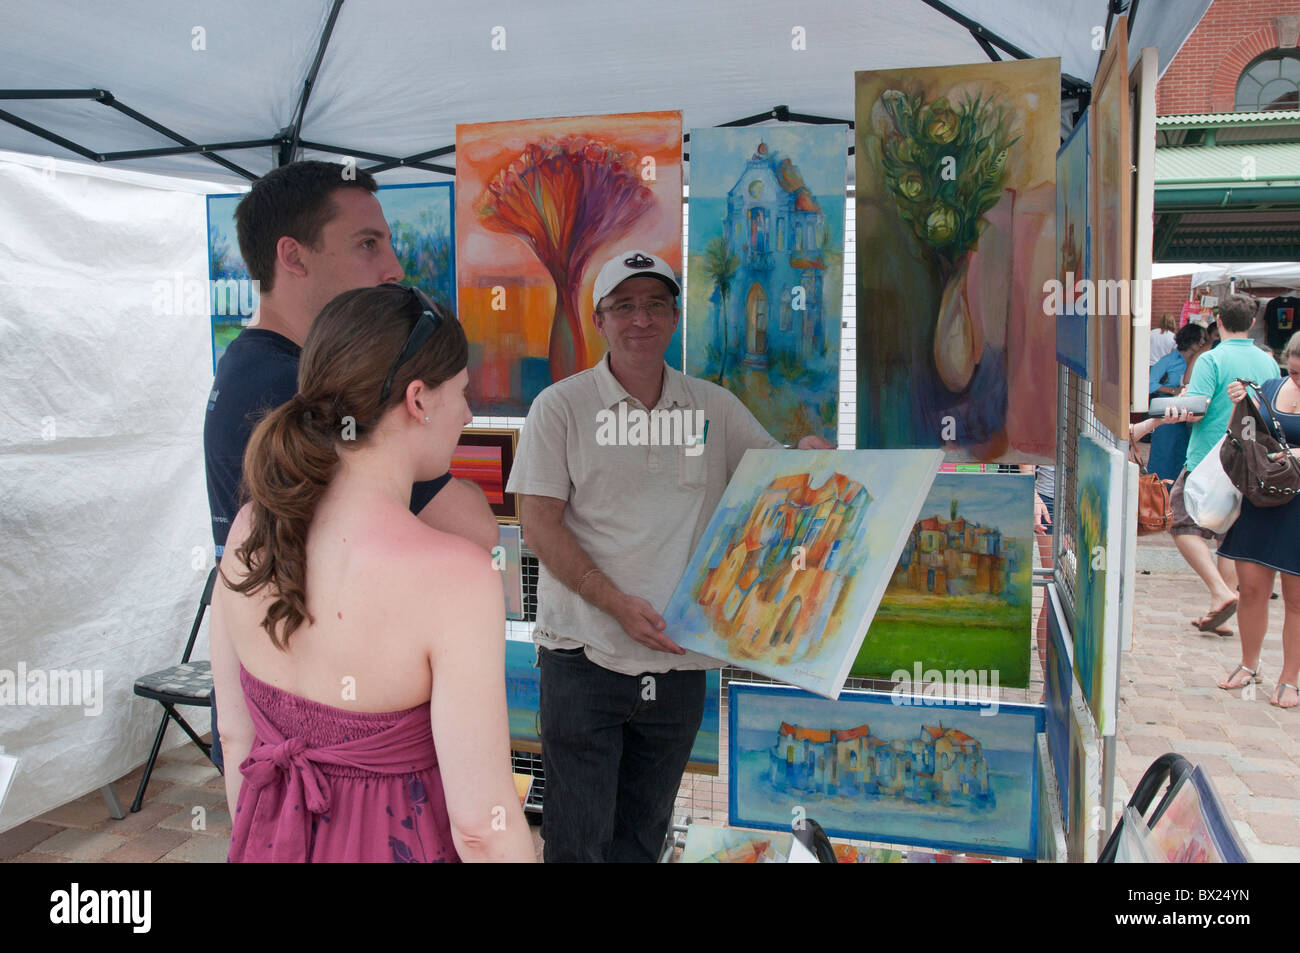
(614, 748)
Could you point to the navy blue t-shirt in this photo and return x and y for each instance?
(258, 373)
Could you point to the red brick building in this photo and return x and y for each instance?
(1241, 57)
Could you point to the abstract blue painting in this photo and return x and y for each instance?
(523, 701)
(882, 767)
(1073, 248)
(1058, 688)
(1099, 548)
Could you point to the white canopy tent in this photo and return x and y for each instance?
(1262, 274)
(105, 525)
(395, 76)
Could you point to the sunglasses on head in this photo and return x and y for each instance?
(431, 318)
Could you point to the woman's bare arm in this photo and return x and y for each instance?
(470, 725)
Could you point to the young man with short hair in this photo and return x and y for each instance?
(1236, 356)
(308, 232)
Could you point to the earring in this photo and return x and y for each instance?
(426, 420)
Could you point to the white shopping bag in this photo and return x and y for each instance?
(1211, 499)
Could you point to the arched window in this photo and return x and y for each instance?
(1271, 82)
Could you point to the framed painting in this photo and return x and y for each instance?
(541, 204)
(523, 696)
(956, 231)
(485, 457)
(1052, 848)
(1098, 547)
(766, 258)
(8, 768)
(1058, 689)
(507, 558)
(1142, 158)
(230, 313)
(523, 703)
(1084, 827)
(1073, 251)
(1128, 580)
(420, 217)
(882, 767)
(959, 600)
(1112, 211)
(794, 561)
(723, 845)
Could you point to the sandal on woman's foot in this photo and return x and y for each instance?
(1252, 678)
(1218, 616)
(1276, 700)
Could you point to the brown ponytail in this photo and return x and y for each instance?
(294, 451)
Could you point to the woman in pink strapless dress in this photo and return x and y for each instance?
(358, 653)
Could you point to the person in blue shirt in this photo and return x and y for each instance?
(1235, 357)
(1167, 373)
(1169, 444)
(308, 232)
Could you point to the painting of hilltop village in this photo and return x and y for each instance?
(873, 766)
(792, 565)
(766, 264)
(959, 598)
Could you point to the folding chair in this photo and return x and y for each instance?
(189, 683)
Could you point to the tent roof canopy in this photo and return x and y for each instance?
(393, 77)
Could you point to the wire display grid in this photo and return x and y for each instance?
(1077, 419)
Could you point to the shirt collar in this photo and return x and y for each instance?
(612, 393)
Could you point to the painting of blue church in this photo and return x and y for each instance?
(765, 271)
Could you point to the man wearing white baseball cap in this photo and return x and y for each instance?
(613, 514)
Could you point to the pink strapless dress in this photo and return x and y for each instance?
(323, 785)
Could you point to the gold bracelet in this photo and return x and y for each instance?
(583, 581)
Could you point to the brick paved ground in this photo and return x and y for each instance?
(1168, 702)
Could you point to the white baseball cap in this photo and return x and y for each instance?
(631, 264)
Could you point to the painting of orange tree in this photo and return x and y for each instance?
(540, 205)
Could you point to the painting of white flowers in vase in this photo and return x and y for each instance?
(956, 233)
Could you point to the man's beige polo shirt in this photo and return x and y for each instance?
(637, 509)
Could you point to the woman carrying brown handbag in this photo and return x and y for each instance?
(1265, 541)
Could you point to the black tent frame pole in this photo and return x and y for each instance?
(978, 30)
(290, 144)
(104, 97)
(415, 161)
(58, 140)
(387, 162)
(1071, 86)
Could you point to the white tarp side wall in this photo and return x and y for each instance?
(102, 495)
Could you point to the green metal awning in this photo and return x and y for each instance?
(1227, 187)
